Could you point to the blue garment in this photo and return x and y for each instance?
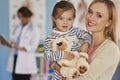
(18, 41)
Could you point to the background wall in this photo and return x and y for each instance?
(4, 29)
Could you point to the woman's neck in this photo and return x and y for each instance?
(97, 39)
(25, 23)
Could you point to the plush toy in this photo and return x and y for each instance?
(70, 68)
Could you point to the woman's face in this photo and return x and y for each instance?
(97, 17)
(65, 21)
(24, 20)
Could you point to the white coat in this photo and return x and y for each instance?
(26, 62)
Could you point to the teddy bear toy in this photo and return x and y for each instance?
(70, 68)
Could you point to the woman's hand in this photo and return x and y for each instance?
(3, 42)
(16, 46)
(68, 55)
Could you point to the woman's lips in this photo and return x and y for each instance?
(91, 24)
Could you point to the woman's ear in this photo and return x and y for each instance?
(108, 23)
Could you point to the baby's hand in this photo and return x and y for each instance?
(68, 55)
(64, 78)
(84, 47)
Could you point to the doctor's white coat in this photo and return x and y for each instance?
(26, 62)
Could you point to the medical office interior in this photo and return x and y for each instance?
(42, 17)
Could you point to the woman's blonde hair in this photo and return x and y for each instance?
(61, 7)
(111, 31)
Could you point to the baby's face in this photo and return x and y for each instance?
(65, 21)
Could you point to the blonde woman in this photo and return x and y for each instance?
(101, 20)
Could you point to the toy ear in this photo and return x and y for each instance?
(51, 42)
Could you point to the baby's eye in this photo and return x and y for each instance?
(60, 18)
(70, 19)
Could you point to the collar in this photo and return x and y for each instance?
(29, 24)
(55, 31)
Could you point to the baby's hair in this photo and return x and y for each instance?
(25, 12)
(61, 7)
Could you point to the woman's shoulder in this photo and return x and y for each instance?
(109, 48)
(110, 45)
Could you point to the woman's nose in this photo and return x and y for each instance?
(92, 17)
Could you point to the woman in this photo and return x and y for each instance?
(101, 21)
(25, 39)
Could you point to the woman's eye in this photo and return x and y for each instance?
(99, 15)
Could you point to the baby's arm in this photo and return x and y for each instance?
(51, 55)
(55, 66)
(87, 39)
(84, 35)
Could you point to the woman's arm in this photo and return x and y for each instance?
(16, 46)
(32, 46)
(105, 57)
